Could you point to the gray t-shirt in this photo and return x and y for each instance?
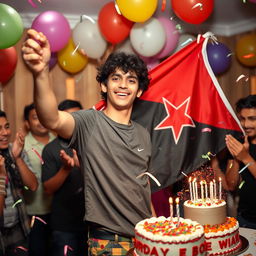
(112, 155)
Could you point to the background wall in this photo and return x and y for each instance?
(18, 92)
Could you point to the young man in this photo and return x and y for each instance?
(113, 151)
(14, 223)
(244, 154)
(62, 178)
(37, 202)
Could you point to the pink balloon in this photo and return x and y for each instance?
(55, 27)
(172, 37)
(253, 1)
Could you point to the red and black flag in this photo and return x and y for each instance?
(186, 113)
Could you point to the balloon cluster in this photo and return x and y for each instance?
(11, 29)
(128, 25)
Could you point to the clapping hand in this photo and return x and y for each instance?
(69, 161)
(18, 144)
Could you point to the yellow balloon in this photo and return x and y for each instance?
(246, 50)
(70, 59)
(137, 10)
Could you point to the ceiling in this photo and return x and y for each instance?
(228, 18)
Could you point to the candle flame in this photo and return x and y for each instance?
(170, 200)
(219, 178)
(189, 179)
(201, 182)
(194, 180)
(177, 200)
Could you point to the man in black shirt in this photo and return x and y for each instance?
(241, 171)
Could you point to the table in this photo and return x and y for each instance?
(250, 235)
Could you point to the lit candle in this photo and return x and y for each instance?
(214, 189)
(171, 208)
(220, 186)
(211, 190)
(177, 210)
(194, 189)
(206, 189)
(190, 188)
(202, 189)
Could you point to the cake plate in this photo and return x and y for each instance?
(244, 247)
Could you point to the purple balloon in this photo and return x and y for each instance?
(172, 37)
(55, 27)
(218, 57)
(53, 60)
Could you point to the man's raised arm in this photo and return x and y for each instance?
(36, 54)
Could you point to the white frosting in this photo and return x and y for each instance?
(149, 243)
(205, 203)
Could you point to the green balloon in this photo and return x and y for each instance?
(11, 26)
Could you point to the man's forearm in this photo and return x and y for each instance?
(45, 100)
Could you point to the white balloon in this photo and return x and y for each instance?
(184, 40)
(148, 38)
(88, 38)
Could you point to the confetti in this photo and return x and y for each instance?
(206, 130)
(117, 9)
(17, 202)
(186, 42)
(211, 154)
(244, 168)
(163, 5)
(230, 54)
(36, 152)
(75, 49)
(31, 3)
(206, 157)
(241, 184)
(240, 77)
(32, 221)
(66, 248)
(198, 4)
(38, 218)
(184, 174)
(151, 176)
(21, 248)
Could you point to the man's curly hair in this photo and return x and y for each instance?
(125, 62)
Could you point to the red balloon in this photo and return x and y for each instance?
(193, 11)
(8, 61)
(113, 26)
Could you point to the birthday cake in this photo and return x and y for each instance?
(221, 232)
(169, 237)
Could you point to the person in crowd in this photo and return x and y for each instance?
(241, 171)
(14, 222)
(37, 202)
(114, 152)
(62, 178)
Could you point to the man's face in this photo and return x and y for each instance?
(34, 125)
(122, 89)
(5, 133)
(247, 118)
